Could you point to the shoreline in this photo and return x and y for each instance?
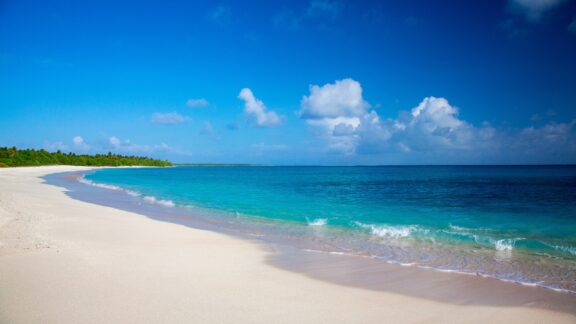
(221, 222)
(142, 269)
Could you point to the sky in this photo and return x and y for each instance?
(314, 82)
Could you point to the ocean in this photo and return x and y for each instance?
(512, 223)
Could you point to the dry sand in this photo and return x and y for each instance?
(68, 261)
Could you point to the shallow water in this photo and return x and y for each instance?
(511, 223)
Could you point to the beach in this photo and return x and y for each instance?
(67, 261)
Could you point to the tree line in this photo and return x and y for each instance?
(12, 157)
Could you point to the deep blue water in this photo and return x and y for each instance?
(511, 222)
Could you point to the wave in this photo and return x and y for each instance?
(505, 244)
(148, 199)
(499, 244)
(388, 230)
(562, 248)
(441, 236)
(163, 202)
(317, 222)
(98, 185)
(107, 186)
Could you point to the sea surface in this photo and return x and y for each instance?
(512, 223)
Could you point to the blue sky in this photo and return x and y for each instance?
(293, 82)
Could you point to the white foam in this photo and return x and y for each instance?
(133, 193)
(107, 186)
(387, 230)
(153, 200)
(504, 245)
(148, 199)
(318, 222)
(99, 185)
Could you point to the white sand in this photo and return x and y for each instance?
(67, 261)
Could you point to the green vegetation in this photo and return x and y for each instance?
(11, 157)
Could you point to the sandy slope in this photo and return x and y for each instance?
(66, 261)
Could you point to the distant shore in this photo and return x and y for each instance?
(67, 261)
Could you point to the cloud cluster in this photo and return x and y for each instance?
(431, 132)
(257, 111)
(336, 110)
(111, 143)
(126, 146)
(171, 118)
(341, 99)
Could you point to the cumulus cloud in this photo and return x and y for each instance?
(80, 143)
(171, 118)
(431, 132)
(340, 99)
(257, 111)
(197, 103)
(433, 126)
(336, 109)
(533, 10)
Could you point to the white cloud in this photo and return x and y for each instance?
(114, 141)
(77, 140)
(336, 109)
(126, 146)
(197, 103)
(431, 132)
(80, 143)
(257, 111)
(168, 118)
(533, 10)
(432, 126)
(340, 99)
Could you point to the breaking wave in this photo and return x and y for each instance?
(317, 222)
(388, 230)
(163, 202)
(148, 199)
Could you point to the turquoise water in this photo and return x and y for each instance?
(513, 223)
